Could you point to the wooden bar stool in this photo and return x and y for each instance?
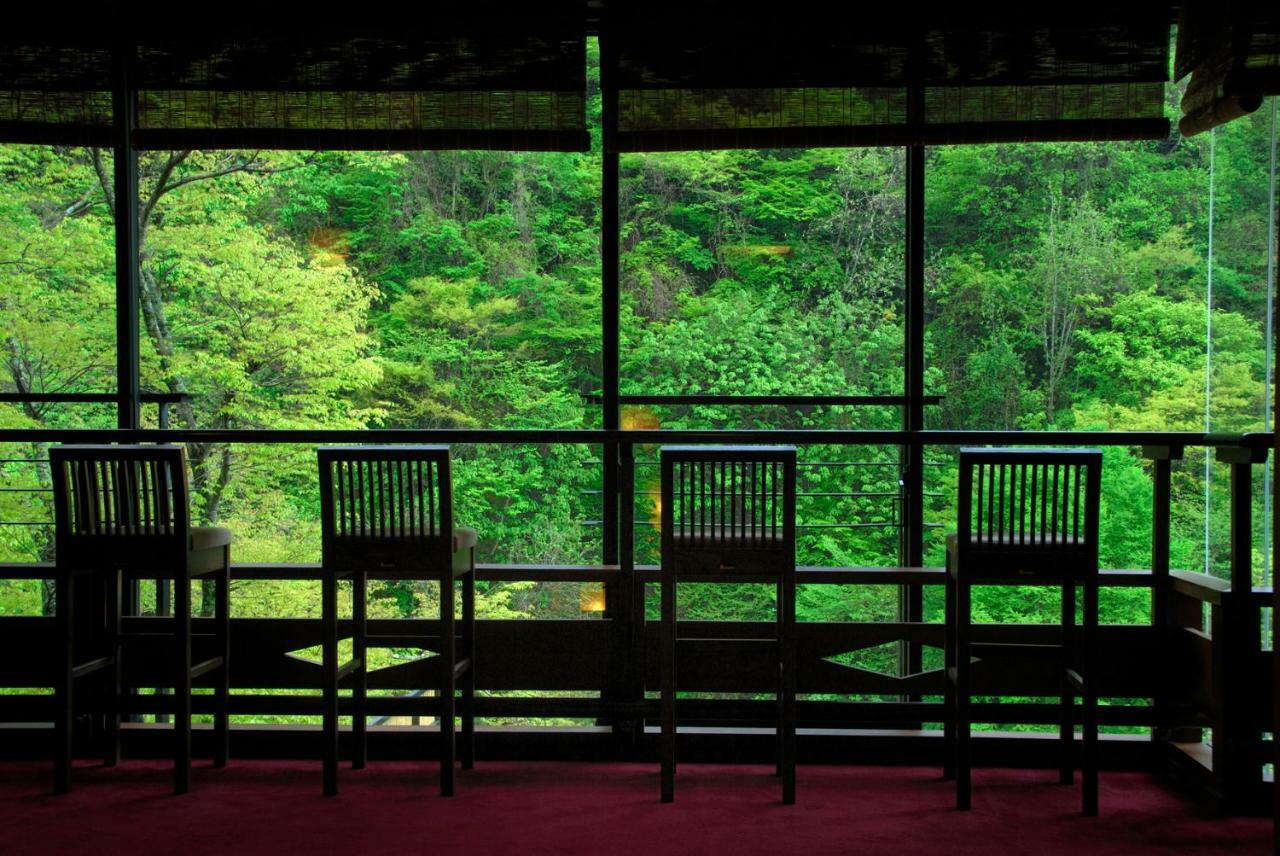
(388, 511)
(728, 515)
(1026, 517)
(120, 514)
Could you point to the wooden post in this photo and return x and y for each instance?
(469, 654)
(787, 641)
(125, 174)
(911, 598)
(1162, 619)
(222, 690)
(114, 588)
(182, 685)
(449, 683)
(329, 740)
(610, 299)
(618, 482)
(668, 654)
(1236, 628)
(360, 677)
(64, 724)
(1274, 523)
(125, 182)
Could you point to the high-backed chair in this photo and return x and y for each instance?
(121, 514)
(1026, 517)
(728, 515)
(387, 511)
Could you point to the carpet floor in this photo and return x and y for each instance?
(511, 808)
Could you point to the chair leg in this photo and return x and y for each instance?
(111, 735)
(780, 711)
(329, 611)
(360, 689)
(789, 692)
(182, 686)
(949, 690)
(469, 653)
(964, 785)
(164, 609)
(1089, 700)
(65, 710)
(668, 742)
(448, 685)
(222, 690)
(1066, 719)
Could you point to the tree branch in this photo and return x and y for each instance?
(104, 180)
(149, 207)
(246, 165)
(86, 201)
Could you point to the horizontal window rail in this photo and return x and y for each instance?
(596, 436)
(805, 574)
(767, 400)
(89, 397)
(162, 399)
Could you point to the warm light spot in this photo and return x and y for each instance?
(639, 419)
(329, 245)
(655, 513)
(591, 597)
(757, 249)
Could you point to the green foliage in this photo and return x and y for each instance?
(1065, 288)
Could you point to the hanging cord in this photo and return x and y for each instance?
(1273, 225)
(1208, 351)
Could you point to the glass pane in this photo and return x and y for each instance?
(1069, 288)
(435, 289)
(768, 273)
(57, 283)
(775, 272)
(57, 311)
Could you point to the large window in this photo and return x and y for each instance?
(1075, 286)
(769, 273)
(373, 290)
(57, 331)
(1068, 287)
(763, 273)
(410, 290)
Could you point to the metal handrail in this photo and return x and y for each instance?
(90, 397)
(774, 400)
(163, 399)
(1259, 441)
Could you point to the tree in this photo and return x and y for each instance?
(1076, 266)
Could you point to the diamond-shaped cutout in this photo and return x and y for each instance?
(881, 659)
(389, 658)
(314, 654)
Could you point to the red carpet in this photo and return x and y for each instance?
(517, 808)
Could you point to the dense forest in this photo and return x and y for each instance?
(1066, 286)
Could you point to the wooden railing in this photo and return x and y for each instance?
(1202, 678)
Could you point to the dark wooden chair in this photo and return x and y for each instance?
(728, 515)
(388, 511)
(1026, 517)
(121, 514)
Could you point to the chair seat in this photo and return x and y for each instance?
(464, 538)
(208, 537)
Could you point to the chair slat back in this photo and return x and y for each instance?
(728, 501)
(385, 493)
(109, 493)
(1029, 501)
